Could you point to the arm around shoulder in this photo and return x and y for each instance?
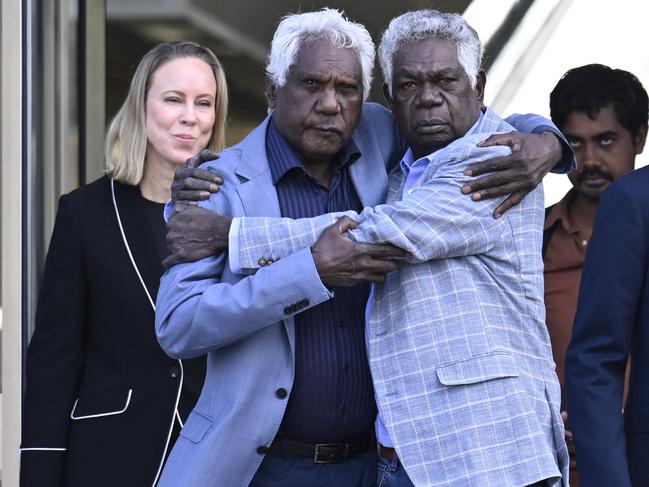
(434, 220)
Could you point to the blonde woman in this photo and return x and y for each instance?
(104, 403)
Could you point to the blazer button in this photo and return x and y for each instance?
(262, 449)
(174, 372)
(281, 393)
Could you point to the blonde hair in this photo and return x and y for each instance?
(126, 140)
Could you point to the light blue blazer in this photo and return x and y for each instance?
(245, 324)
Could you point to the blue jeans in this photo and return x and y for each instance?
(392, 474)
(291, 471)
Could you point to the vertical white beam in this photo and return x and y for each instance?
(11, 96)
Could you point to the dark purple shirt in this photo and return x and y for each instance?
(332, 397)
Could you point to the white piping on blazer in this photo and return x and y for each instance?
(111, 413)
(176, 415)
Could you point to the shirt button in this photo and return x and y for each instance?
(262, 262)
(281, 393)
(584, 242)
(174, 372)
(262, 449)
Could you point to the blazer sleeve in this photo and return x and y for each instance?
(610, 291)
(535, 124)
(434, 221)
(54, 355)
(197, 311)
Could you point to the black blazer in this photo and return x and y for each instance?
(101, 394)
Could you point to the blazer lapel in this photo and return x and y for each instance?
(368, 176)
(138, 235)
(257, 193)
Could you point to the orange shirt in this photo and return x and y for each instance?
(564, 261)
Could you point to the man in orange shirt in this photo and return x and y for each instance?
(603, 114)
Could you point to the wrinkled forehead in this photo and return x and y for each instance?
(323, 57)
(432, 51)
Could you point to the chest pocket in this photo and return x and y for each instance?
(481, 368)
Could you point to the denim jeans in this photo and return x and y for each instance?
(392, 474)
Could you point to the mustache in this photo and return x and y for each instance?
(593, 173)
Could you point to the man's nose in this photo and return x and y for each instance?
(589, 157)
(429, 95)
(328, 101)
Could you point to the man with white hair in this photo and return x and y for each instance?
(288, 397)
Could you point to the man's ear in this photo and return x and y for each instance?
(640, 139)
(481, 81)
(388, 97)
(270, 89)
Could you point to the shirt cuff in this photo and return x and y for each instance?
(233, 246)
(567, 162)
(169, 206)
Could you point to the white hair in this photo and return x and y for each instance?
(330, 24)
(431, 24)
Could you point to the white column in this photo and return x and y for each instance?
(11, 96)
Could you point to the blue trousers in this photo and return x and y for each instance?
(392, 474)
(291, 471)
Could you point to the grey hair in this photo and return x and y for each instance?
(431, 24)
(296, 29)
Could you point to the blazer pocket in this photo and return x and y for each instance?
(196, 427)
(480, 368)
(99, 404)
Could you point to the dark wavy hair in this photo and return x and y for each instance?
(590, 88)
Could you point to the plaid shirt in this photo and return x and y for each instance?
(459, 352)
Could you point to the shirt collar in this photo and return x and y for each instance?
(282, 158)
(474, 128)
(408, 159)
(560, 212)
